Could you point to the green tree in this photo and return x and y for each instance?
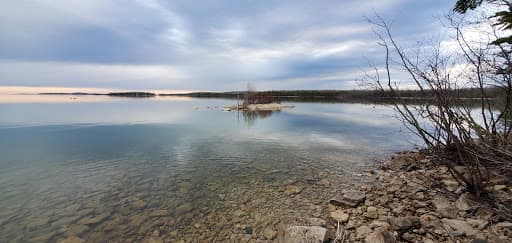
(503, 17)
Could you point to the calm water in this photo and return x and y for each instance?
(127, 170)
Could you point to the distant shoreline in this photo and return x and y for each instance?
(334, 96)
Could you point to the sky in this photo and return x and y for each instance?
(204, 45)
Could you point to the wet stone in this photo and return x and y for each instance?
(77, 229)
(159, 213)
(73, 239)
(95, 219)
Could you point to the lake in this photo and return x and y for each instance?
(129, 170)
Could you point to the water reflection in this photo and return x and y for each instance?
(250, 117)
(125, 170)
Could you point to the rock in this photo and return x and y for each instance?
(304, 234)
(404, 223)
(139, 204)
(444, 207)
(397, 162)
(408, 237)
(484, 213)
(465, 202)
(506, 225)
(379, 224)
(477, 223)
(429, 221)
(324, 182)
(478, 241)
(95, 219)
(291, 190)
(183, 209)
(316, 222)
(339, 216)
(72, 239)
(457, 227)
(77, 229)
(371, 212)
(349, 199)
(269, 233)
(363, 231)
(499, 187)
(239, 213)
(154, 239)
(159, 213)
(380, 236)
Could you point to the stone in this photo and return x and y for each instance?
(349, 199)
(291, 190)
(371, 212)
(429, 221)
(94, 219)
(444, 207)
(316, 222)
(269, 233)
(139, 204)
(72, 239)
(458, 227)
(465, 202)
(379, 224)
(408, 237)
(77, 229)
(239, 213)
(154, 239)
(159, 213)
(506, 225)
(478, 241)
(324, 182)
(339, 216)
(499, 187)
(183, 209)
(404, 223)
(304, 234)
(397, 162)
(477, 223)
(363, 231)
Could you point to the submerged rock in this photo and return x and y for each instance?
(291, 189)
(349, 199)
(304, 234)
(269, 233)
(73, 239)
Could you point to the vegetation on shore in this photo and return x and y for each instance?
(457, 135)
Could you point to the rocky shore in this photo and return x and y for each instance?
(404, 206)
(400, 201)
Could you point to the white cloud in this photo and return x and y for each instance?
(95, 75)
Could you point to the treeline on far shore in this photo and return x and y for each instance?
(350, 95)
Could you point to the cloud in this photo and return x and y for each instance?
(206, 45)
(94, 75)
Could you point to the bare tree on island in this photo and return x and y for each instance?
(457, 134)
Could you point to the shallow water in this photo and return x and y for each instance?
(124, 170)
